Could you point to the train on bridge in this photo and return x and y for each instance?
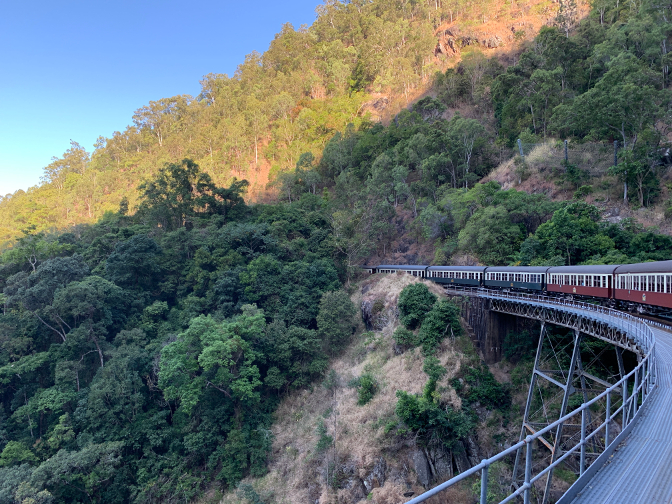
(645, 287)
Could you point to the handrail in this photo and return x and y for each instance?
(635, 328)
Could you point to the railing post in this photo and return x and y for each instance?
(635, 394)
(484, 483)
(624, 412)
(582, 462)
(528, 469)
(607, 420)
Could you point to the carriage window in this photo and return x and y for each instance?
(580, 280)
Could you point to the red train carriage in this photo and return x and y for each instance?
(645, 283)
(589, 281)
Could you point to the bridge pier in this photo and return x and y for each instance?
(488, 328)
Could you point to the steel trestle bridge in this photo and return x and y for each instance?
(613, 462)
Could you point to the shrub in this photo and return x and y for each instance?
(481, 387)
(366, 389)
(414, 302)
(442, 320)
(432, 423)
(405, 338)
(583, 191)
(324, 441)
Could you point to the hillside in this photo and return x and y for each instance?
(355, 63)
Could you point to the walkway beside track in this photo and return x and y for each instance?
(640, 471)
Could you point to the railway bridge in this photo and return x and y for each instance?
(614, 433)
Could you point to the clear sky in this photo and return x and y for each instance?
(79, 69)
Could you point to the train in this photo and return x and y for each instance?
(645, 288)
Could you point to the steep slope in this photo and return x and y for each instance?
(356, 61)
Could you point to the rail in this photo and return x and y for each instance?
(643, 381)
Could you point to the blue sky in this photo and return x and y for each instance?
(78, 69)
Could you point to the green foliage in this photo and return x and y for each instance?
(181, 193)
(247, 492)
(441, 321)
(366, 388)
(405, 338)
(211, 355)
(432, 423)
(15, 453)
(336, 320)
(324, 441)
(479, 386)
(414, 302)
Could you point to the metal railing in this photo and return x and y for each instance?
(642, 379)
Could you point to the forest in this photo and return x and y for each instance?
(154, 317)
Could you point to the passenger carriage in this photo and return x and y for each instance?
(645, 283)
(516, 277)
(457, 275)
(415, 270)
(593, 281)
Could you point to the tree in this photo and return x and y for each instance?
(573, 233)
(181, 192)
(442, 320)
(159, 117)
(414, 302)
(86, 312)
(214, 356)
(624, 102)
(75, 160)
(69, 474)
(491, 235)
(134, 263)
(336, 320)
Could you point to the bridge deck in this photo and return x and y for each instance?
(640, 471)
